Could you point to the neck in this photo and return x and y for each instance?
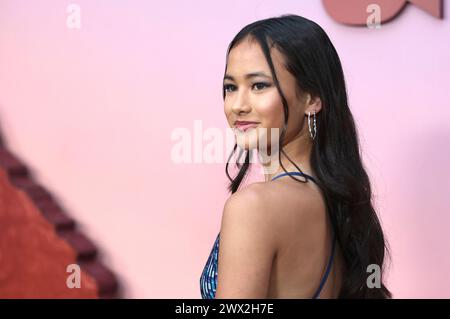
(298, 150)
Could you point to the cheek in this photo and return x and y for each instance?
(271, 112)
(227, 111)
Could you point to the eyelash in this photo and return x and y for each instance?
(266, 85)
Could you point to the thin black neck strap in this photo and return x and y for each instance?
(295, 173)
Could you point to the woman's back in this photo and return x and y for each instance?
(305, 260)
(305, 241)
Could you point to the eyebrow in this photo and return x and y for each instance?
(248, 76)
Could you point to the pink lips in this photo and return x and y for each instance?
(244, 126)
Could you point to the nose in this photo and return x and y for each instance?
(240, 104)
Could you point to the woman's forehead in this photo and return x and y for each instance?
(247, 57)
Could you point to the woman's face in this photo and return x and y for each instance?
(251, 95)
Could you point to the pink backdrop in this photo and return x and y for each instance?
(92, 110)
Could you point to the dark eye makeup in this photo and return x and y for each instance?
(260, 85)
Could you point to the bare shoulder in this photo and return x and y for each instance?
(281, 196)
(254, 203)
(250, 208)
(257, 222)
(247, 246)
(272, 207)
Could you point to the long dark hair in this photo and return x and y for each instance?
(335, 156)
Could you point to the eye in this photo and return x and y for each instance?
(227, 86)
(264, 85)
(259, 85)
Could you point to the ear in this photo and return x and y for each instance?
(313, 104)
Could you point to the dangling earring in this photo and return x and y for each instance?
(314, 124)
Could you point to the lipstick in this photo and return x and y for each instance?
(245, 125)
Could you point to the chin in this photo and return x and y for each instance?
(247, 140)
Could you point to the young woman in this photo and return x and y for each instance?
(309, 230)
